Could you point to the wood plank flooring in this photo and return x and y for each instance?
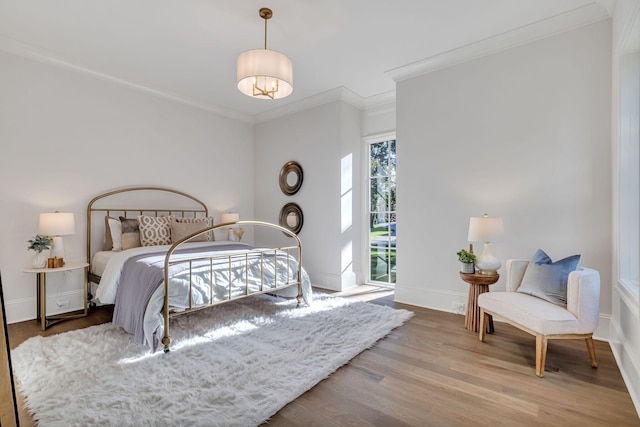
(433, 372)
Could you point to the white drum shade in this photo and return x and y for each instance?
(264, 67)
(485, 229)
(57, 224)
(230, 217)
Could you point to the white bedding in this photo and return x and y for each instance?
(153, 318)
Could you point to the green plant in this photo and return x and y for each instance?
(466, 257)
(39, 243)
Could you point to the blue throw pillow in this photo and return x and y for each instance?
(546, 279)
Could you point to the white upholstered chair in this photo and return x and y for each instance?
(543, 319)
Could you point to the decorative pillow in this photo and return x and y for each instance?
(206, 222)
(114, 228)
(130, 233)
(546, 279)
(155, 230)
(180, 230)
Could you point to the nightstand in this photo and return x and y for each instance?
(478, 284)
(41, 291)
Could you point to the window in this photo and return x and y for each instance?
(629, 172)
(382, 212)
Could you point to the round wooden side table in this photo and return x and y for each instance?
(478, 284)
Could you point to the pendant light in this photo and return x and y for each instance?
(264, 73)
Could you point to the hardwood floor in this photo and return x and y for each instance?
(433, 372)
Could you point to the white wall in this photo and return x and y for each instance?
(523, 134)
(351, 212)
(67, 137)
(319, 139)
(625, 321)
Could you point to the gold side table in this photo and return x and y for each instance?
(41, 293)
(478, 284)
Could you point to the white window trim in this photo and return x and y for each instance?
(366, 141)
(627, 235)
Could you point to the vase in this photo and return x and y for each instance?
(40, 260)
(467, 267)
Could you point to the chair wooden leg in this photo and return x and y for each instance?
(483, 319)
(541, 354)
(592, 352)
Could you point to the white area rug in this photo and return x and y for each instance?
(233, 365)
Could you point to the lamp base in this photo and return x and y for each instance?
(487, 272)
(57, 248)
(487, 264)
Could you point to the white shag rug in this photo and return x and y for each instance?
(236, 364)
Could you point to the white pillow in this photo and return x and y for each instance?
(115, 226)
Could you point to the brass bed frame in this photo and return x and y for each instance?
(199, 210)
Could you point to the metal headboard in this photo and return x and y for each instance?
(202, 210)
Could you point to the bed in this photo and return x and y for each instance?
(155, 253)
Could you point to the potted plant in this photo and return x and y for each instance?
(39, 244)
(467, 259)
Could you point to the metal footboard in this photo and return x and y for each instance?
(251, 258)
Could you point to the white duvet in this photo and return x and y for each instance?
(153, 318)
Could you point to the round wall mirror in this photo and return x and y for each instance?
(291, 178)
(291, 217)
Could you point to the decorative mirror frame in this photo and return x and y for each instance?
(291, 208)
(289, 168)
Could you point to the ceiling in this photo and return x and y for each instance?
(187, 50)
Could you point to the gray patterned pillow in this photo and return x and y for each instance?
(130, 233)
(155, 230)
(205, 222)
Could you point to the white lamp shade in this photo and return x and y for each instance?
(56, 224)
(230, 217)
(485, 229)
(265, 67)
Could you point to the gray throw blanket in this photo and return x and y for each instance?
(141, 276)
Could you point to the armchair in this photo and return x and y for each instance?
(543, 319)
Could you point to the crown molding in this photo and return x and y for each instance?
(610, 5)
(33, 53)
(337, 94)
(383, 102)
(387, 108)
(560, 23)
(24, 50)
(629, 41)
(376, 104)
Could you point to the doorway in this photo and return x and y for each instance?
(381, 202)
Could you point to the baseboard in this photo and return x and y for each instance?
(332, 282)
(449, 301)
(19, 310)
(627, 363)
(428, 298)
(23, 309)
(602, 332)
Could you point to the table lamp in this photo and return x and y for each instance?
(57, 224)
(235, 232)
(486, 230)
